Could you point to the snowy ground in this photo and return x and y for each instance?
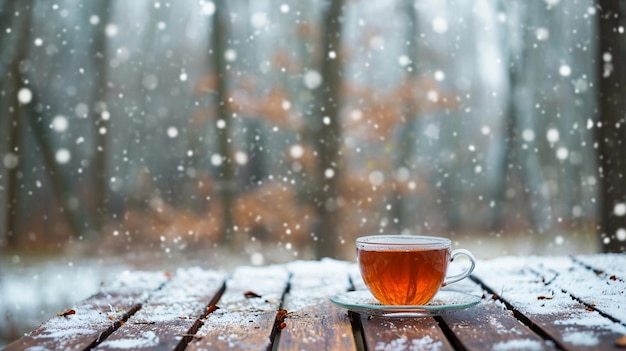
(35, 289)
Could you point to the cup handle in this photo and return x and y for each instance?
(456, 278)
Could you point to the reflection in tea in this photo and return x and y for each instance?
(401, 277)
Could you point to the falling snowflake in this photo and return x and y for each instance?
(172, 132)
(207, 8)
(63, 156)
(111, 30)
(440, 25)
(59, 123)
(312, 79)
(24, 96)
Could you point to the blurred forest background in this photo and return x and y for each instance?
(300, 125)
(256, 131)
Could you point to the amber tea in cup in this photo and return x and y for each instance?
(407, 269)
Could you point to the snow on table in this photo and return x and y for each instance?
(526, 303)
(92, 320)
(247, 310)
(556, 297)
(170, 313)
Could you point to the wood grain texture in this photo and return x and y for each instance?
(491, 323)
(170, 313)
(403, 334)
(598, 288)
(247, 310)
(488, 323)
(529, 303)
(612, 264)
(545, 307)
(314, 323)
(96, 317)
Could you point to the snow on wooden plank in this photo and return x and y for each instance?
(597, 290)
(93, 319)
(611, 264)
(313, 322)
(491, 323)
(247, 310)
(170, 313)
(403, 334)
(547, 309)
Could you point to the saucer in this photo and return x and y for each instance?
(362, 301)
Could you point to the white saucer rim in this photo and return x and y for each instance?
(418, 310)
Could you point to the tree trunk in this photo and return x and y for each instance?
(406, 134)
(100, 63)
(20, 111)
(611, 123)
(328, 135)
(11, 135)
(520, 115)
(13, 159)
(15, 113)
(78, 218)
(226, 182)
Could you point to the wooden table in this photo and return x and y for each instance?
(528, 303)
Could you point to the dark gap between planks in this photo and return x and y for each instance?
(275, 333)
(597, 271)
(519, 315)
(447, 331)
(357, 330)
(355, 322)
(587, 305)
(116, 325)
(125, 317)
(210, 308)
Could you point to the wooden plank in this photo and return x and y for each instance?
(488, 323)
(247, 310)
(609, 264)
(546, 308)
(170, 313)
(403, 334)
(596, 289)
(313, 322)
(95, 317)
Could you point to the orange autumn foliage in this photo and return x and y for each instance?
(273, 210)
(383, 111)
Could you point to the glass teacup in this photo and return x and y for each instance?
(407, 269)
